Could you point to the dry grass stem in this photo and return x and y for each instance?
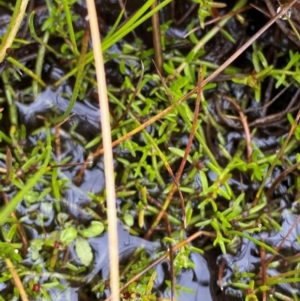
(108, 157)
(158, 57)
(17, 280)
(13, 29)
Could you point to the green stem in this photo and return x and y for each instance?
(13, 27)
(254, 240)
(70, 25)
(11, 206)
(26, 70)
(35, 37)
(107, 43)
(78, 82)
(39, 64)
(13, 115)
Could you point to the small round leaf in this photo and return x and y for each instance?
(95, 228)
(68, 235)
(128, 219)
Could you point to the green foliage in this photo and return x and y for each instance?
(84, 251)
(212, 202)
(10, 251)
(68, 235)
(263, 70)
(204, 10)
(95, 229)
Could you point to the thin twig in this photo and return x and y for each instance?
(171, 258)
(57, 136)
(269, 102)
(214, 20)
(9, 167)
(280, 178)
(263, 121)
(244, 122)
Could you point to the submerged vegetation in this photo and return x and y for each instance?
(204, 123)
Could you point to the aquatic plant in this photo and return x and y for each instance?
(205, 154)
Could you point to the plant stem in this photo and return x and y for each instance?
(13, 27)
(108, 156)
(17, 280)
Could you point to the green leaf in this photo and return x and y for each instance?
(290, 118)
(213, 168)
(169, 240)
(224, 194)
(95, 228)
(189, 212)
(179, 152)
(225, 223)
(84, 251)
(255, 59)
(168, 69)
(141, 218)
(47, 24)
(122, 67)
(228, 36)
(68, 235)
(128, 219)
(257, 208)
(237, 202)
(204, 181)
(262, 58)
(280, 81)
(11, 232)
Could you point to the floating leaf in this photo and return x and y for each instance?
(95, 228)
(84, 251)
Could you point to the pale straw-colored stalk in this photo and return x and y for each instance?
(16, 19)
(108, 157)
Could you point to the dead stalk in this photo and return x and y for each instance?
(108, 157)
